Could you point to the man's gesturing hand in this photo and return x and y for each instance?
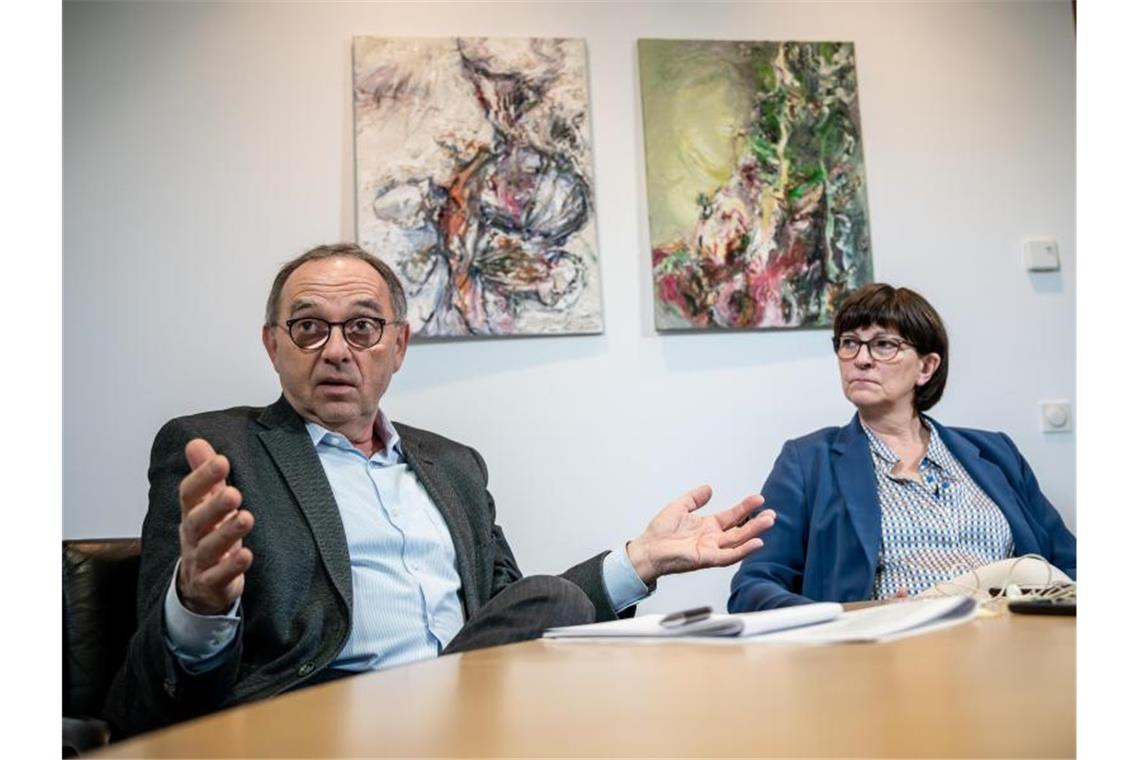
(677, 541)
(212, 574)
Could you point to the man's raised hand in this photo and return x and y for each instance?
(677, 540)
(212, 573)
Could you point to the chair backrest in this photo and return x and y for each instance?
(99, 581)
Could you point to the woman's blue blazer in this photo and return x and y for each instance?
(825, 544)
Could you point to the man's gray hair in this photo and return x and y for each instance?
(337, 250)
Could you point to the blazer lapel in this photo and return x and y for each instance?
(993, 481)
(855, 478)
(422, 460)
(291, 448)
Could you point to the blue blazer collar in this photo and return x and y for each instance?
(992, 479)
(855, 476)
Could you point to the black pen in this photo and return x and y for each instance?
(676, 619)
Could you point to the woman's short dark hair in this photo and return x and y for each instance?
(912, 316)
(344, 250)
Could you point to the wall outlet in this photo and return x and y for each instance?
(1056, 417)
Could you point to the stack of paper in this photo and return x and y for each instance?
(821, 623)
(886, 622)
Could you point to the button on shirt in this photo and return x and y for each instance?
(935, 529)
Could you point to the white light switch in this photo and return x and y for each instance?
(1042, 256)
(1056, 417)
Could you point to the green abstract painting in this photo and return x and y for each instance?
(756, 184)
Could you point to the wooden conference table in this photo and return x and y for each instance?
(997, 686)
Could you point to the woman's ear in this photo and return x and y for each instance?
(930, 365)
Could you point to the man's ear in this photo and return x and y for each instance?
(930, 365)
(269, 340)
(403, 337)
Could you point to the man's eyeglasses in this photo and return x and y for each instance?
(881, 349)
(310, 333)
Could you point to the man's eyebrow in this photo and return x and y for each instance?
(304, 304)
(300, 305)
(369, 303)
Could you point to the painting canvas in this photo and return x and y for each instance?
(756, 187)
(474, 181)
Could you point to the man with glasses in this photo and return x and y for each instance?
(315, 538)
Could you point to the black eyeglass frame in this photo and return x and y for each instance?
(288, 327)
(898, 344)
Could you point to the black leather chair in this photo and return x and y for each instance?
(99, 581)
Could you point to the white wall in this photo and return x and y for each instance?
(204, 144)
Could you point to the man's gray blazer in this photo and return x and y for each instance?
(297, 603)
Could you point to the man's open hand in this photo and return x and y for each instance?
(677, 540)
(212, 574)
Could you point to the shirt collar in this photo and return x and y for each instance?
(936, 451)
(881, 451)
(393, 448)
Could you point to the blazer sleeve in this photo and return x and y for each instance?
(1058, 545)
(151, 688)
(773, 575)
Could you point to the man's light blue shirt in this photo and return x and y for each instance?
(405, 585)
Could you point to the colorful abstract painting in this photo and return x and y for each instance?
(474, 181)
(757, 197)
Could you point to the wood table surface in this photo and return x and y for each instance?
(998, 686)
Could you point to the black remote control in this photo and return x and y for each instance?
(1063, 606)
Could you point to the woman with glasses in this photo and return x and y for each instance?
(894, 502)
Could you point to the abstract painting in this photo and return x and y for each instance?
(756, 190)
(474, 181)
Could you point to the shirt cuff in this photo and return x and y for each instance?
(196, 640)
(623, 585)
